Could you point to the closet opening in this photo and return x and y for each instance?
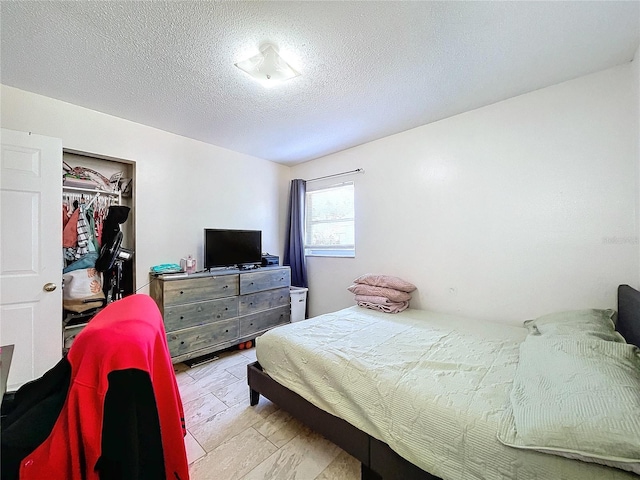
(98, 251)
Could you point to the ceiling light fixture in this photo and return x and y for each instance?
(268, 67)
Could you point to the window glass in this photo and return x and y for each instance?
(330, 221)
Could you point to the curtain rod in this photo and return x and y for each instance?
(357, 170)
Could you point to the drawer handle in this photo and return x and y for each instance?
(226, 331)
(182, 342)
(218, 316)
(250, 303)
(251, 324)
(199, 309)
(226, 308)
(226, 286)
(251, 283)
(181, 292)
(181, 318)
(281, 278)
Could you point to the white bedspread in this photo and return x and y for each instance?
(431, 386)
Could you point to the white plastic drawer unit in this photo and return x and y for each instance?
(298, 303)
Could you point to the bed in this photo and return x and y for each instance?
(397, 420)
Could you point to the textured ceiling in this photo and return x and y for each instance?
(369, 69)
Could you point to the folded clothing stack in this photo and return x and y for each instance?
(386, 293)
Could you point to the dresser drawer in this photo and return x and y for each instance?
(264, 280)
(263, 300)
(189, 290)
(261, 321)
(194, 338)
(178, 317)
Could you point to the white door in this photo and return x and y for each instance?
(30, 253)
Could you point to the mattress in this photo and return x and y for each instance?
(431, 386)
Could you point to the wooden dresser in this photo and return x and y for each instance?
(207, 312)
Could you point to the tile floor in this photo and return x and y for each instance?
(227, 439)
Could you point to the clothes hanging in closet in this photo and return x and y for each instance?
(83, 219)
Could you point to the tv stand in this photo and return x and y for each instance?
(210, 311)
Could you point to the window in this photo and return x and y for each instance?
(329, 222)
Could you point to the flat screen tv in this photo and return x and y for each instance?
(227, 248)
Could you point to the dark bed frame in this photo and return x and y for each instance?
(377, 459)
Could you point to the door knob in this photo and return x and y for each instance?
(50, 287)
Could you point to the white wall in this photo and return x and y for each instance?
(507, 212)
(636, 83)
(182, 185)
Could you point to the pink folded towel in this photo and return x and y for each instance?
(374, 299)
(390, 293)
(386, 281)
(394, 307)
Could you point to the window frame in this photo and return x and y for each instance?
(339, 251)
